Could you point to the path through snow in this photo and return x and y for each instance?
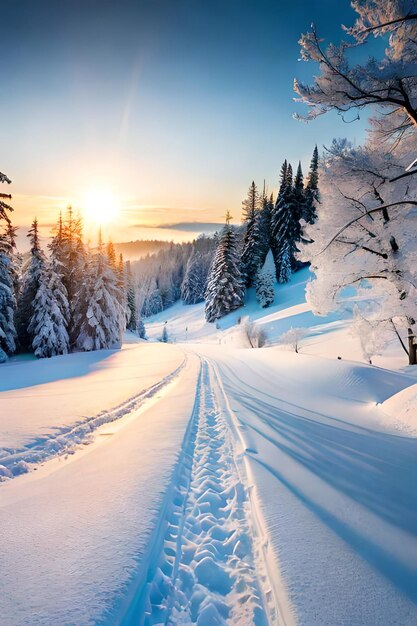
(66, 439)
(210, 571)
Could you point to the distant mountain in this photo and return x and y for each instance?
(133, 250)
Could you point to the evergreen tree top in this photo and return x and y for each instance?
(299, 180)
(33, 236)
(251, 203)
(313, 175)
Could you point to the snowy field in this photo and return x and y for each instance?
(219, 484)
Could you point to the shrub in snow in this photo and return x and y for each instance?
(164, 336)
(293, 338)
(141, 329)
(255, 336)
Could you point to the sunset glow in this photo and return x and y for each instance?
(99, 207)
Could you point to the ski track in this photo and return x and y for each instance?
(209, 571)
(14, 462)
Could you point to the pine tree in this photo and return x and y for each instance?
(285, 230)
(265, 228)
(252, 251)
(311, 193)
(283, 176)
(72, 260)
(103, 321)
(30, 284)
(132, 322)
(264, 286)
(8, 281)
(299, 195)
(225, 289)
(152, 303)
(195, 280)
(48, 326)
(57, 260)
(111, 254)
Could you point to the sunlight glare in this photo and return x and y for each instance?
(99, 206)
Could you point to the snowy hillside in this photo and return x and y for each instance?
(328, 336)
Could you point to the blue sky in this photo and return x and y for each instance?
(170, 106)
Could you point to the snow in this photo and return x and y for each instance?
(400, 410)
(77, 532)
(46, 399)
(336, 489)
(220, 485)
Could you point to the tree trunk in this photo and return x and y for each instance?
(412, 348)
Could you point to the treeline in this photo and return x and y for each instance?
(269, 227)
(72, 299)
(178, 272)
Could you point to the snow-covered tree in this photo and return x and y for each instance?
(285, 229)
(389, 81)
(264, 283)
(48, 326)
(111, 254)
(70, 255)
(253, 333)
(253, 238)
(152, 303)
(195, 280)
(366, 236)
(131, 309)
(103, 318)
(58, 270)
(311, 193)
(293, 338)
(30, 285)
(8, 280)
(225, 289)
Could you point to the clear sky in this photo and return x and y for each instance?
(168, 107)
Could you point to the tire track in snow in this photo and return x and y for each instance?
(208, 571)
(14, 462)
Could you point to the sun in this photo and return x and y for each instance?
(99, 206)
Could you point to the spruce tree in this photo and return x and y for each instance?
(58, 269)
(103, 322)
(131, 309)
(251, 258)
(195, 280)
(72, 256)
(48, 327)
(312, 190)
(8, 280)
(111, 254)
(283, 176)
(33, 272)
(285, 230)
(264, 285)
(225, 289)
